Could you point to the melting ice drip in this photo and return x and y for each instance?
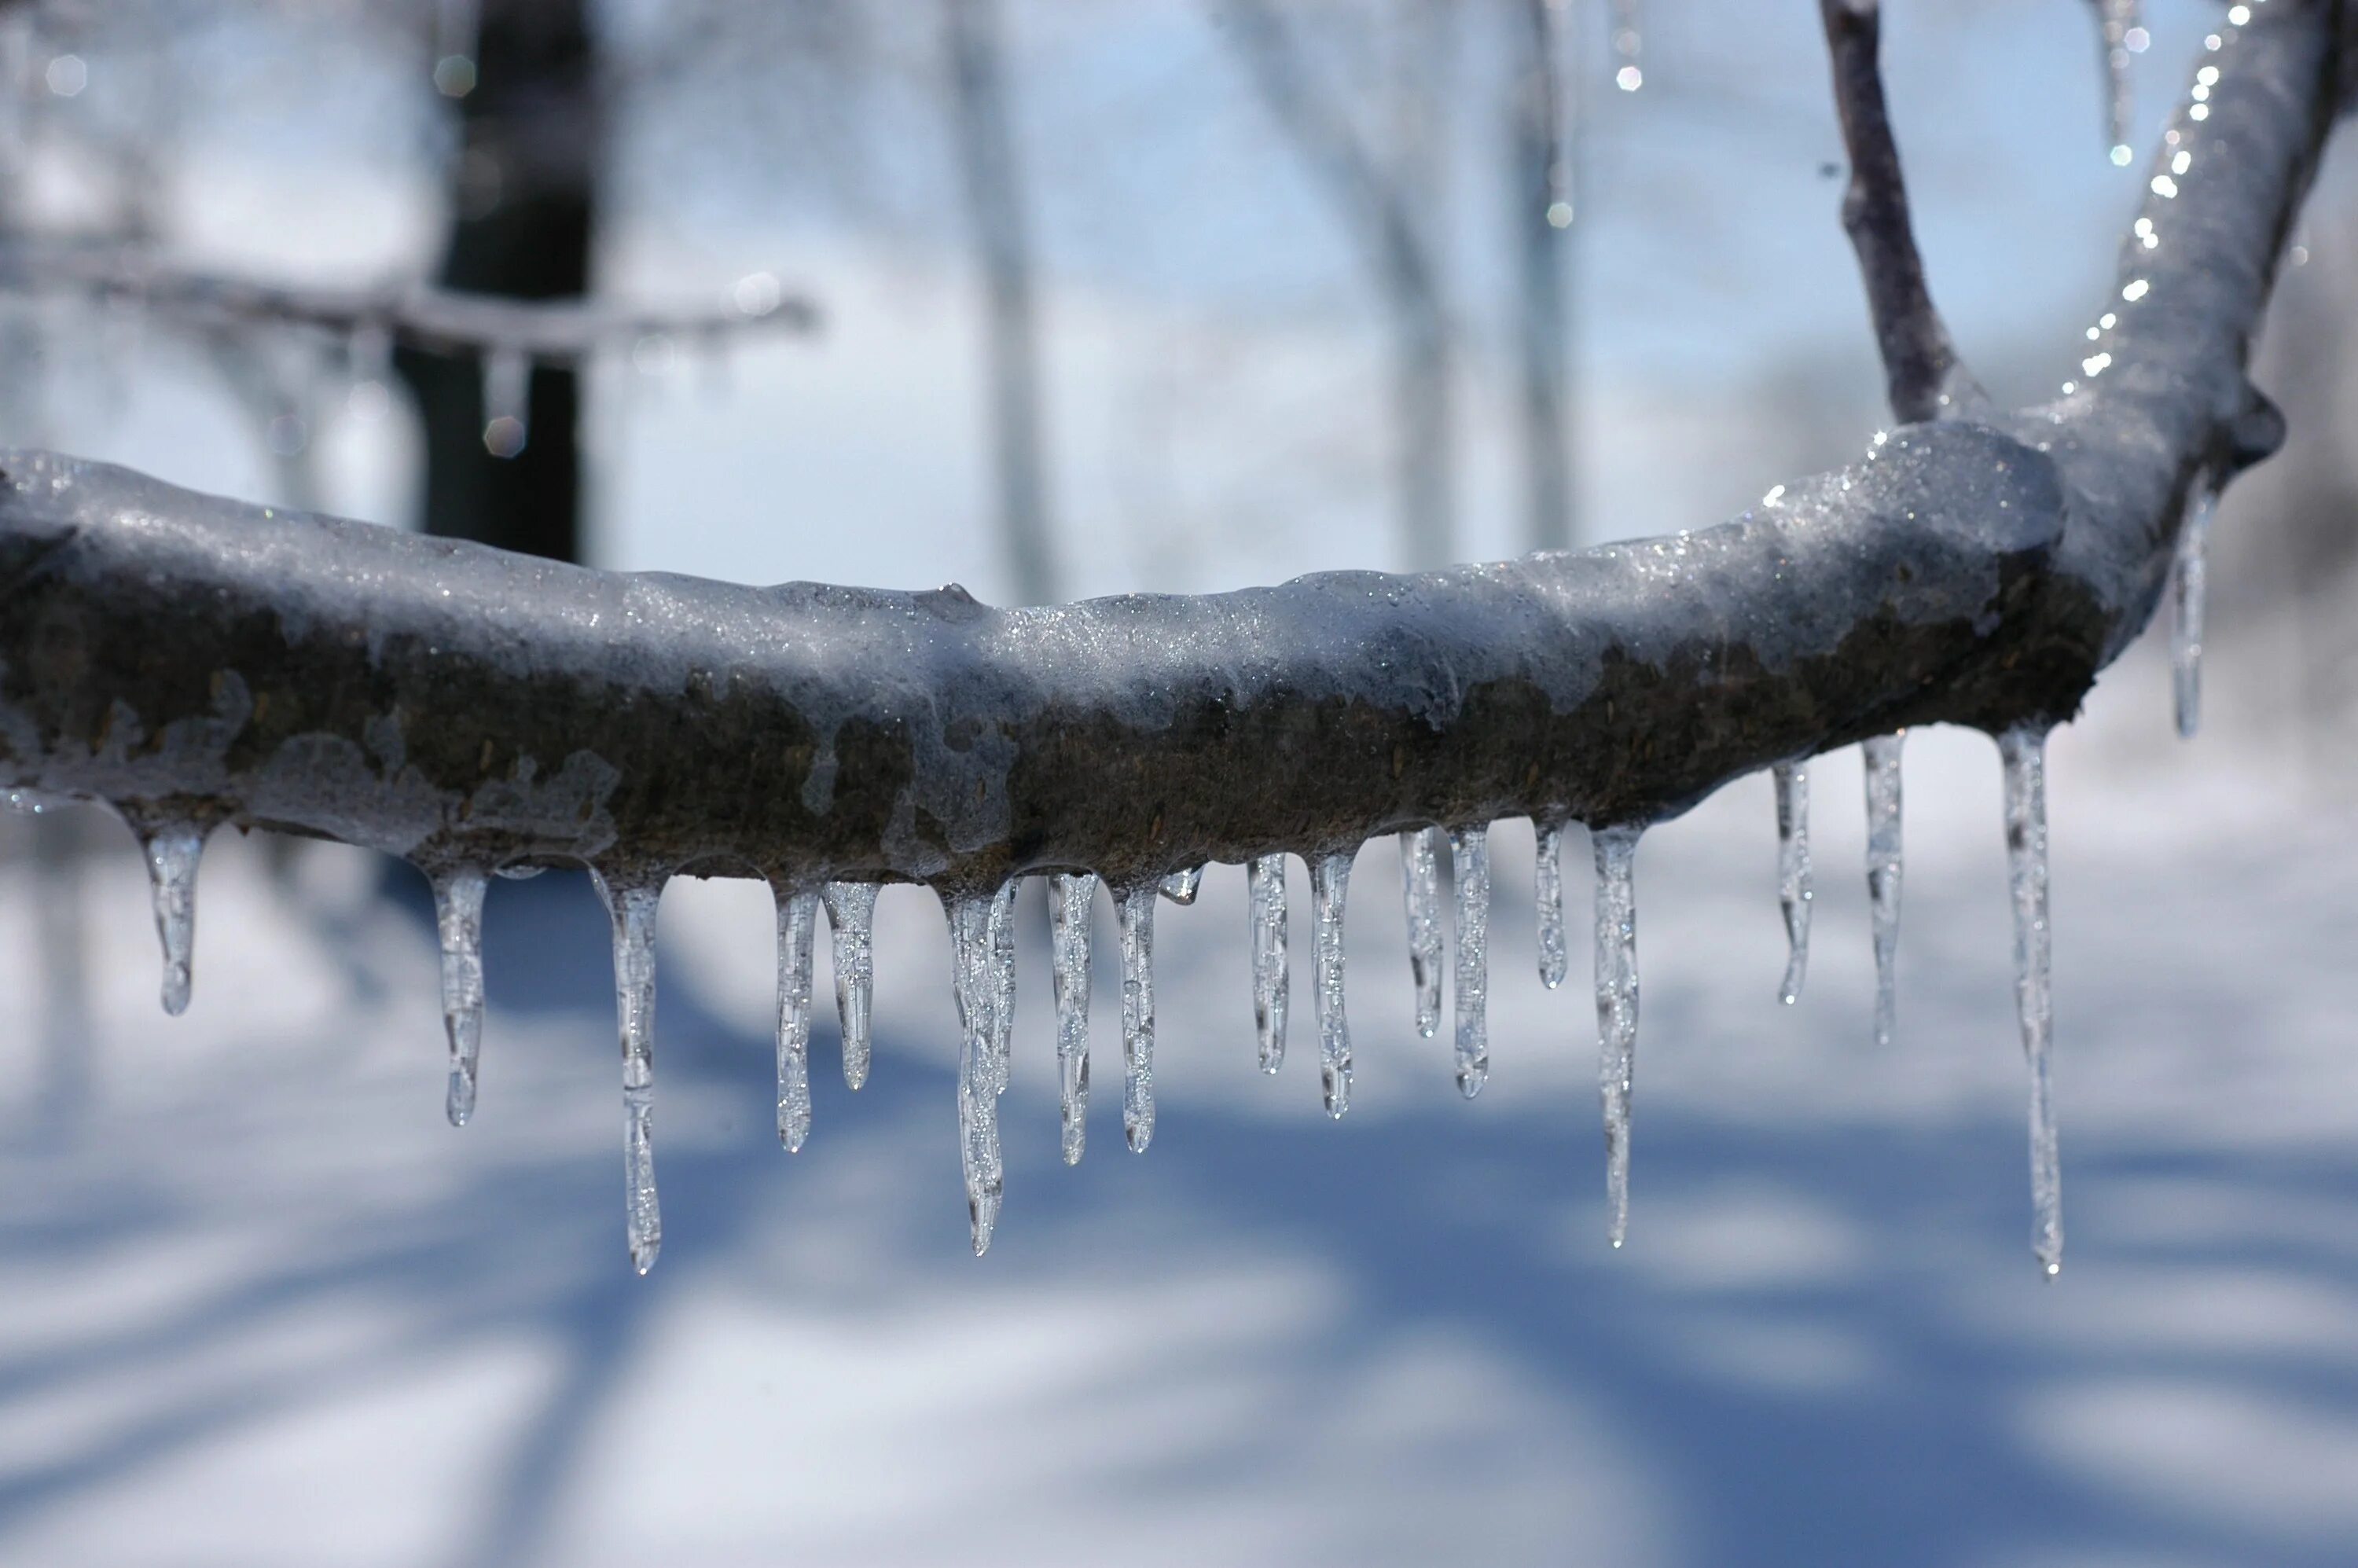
(1793, 892)
(1181, 887)
(2189, 572)
(1881, 756)
(2023, 752)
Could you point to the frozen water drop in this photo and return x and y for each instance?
(1268, 879)
(1469, 850)
(851, 924)
(1181, 887)
(1793, 892)
(2189, 572)
(632, 906)
(1421, 891)
(172, 851)
(458, 925)
(1070, 899)
(1881, 756)
(1330, 880)
(1137, 908)
(1549, 881)
(1617, 1011)
(2023, 752)
(798, 927)
(976, 991)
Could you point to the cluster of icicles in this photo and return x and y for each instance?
(982, 934)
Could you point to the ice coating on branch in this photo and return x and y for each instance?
(1138, 1017)
(632, 906)
(458, 927)
(2023, 752)
(2189, 572)
(1420, 891)
(1003, 984)
(1628, 43)
(172, 850)
(1069, 901)
(1469, 849)
(1793, 892)
(1547, 879)
(507, 406)
(798, 924)
(977, 991)
(1881, 757)
(1617, 1011)
(1267, 878)
(2118, 34)
(851, 923)
(1181, 887)
(1330, 880)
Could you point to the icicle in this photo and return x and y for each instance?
(1549, 880)
(1330, 878)
(2116, 20)
(798, 924)
(632, 906)
(1421, 890)
(368, 370)
(1617, 1011)
(1181, 887)
(2024, 753)
(1794, 889)
(456, 25)
(977, 991)
(851, 923)
(1137, 907)
(458, 923)
(1628, 42)
(172, 851)
(1069, 901)
(1469, 848)
(1003, 984)
(507, 400)
(2189, 571)
(1268, 879)
(1883, 867)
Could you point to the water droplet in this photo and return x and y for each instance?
(1180, 887)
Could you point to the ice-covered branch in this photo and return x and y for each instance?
(197, 662)
(546, 331)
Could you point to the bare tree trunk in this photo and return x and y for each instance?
(989, 170)
(523, 194)
(1546, 155)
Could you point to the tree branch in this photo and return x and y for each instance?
(190, 658)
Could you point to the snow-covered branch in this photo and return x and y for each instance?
(197, 662)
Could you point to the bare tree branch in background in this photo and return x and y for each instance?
(991, 176)
(1546, 154)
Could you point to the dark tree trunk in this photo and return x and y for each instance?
(523, 194)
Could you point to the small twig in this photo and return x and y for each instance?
(442, 321)
(1920, 361)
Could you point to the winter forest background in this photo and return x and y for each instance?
(264, 1305)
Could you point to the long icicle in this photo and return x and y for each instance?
(1070, 899)
(2023, 751)
(1470, 851)
(1421, 893)
(851, 926)
(1267, 875)
(1617, 1011)
(798, 923)
(1330, 881)
(1138, 1016)
(632, 907)
(458, 927)
(1793, 891)
(2115, 21)
(172, 851)
(976, 990)
(1002, 985)
(2189, 573)
(1881, 756)
(1548, 880)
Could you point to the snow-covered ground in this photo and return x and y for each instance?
(263, 1306)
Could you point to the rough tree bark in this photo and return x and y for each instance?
(191, 657)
